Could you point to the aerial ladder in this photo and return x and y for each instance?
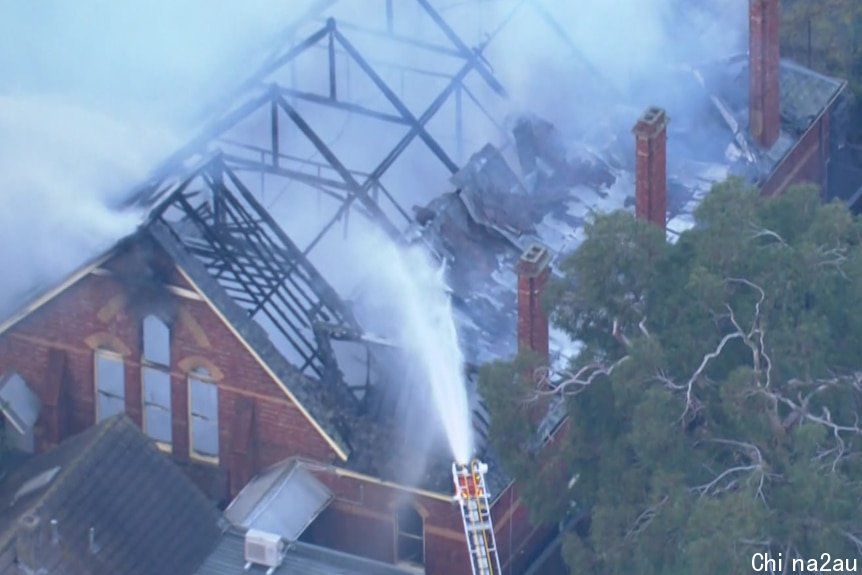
(472, 496)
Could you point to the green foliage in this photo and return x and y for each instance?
(824, 34)
(725, 420)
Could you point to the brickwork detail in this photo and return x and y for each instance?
(651, 166)
(764, 69)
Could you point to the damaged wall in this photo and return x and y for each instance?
(96, 311)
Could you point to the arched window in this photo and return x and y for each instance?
(157, 341)
(203, 416)
(156, 384)
(410, 539)
(110, 382)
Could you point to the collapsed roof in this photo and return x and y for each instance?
(356, 123)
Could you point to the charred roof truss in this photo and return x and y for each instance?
(274, 97)
(219, 221)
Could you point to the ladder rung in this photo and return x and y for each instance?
(479, 527)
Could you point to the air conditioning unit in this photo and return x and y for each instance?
(262, 548)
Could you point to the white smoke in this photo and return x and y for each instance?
(60, 168)
(601, 53)
(93, 93)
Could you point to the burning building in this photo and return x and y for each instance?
(234, 326)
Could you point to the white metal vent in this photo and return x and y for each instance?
(262, 548)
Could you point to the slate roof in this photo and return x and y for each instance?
(147, 516)
(804, 94)
(300, 559)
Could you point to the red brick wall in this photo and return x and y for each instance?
(362, 521)
(514, 532)
(806, 162)
(764, 54)
(67, 321)
(533, 273)
(651, 167)
(532, 321)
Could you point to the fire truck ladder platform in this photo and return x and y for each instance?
(472, 497)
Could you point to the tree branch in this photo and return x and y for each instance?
(644, 519)
(701, 368)
(577, 381)
(758, 464)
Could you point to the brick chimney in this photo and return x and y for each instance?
(533, 273)
(651, 166)
(764, 105)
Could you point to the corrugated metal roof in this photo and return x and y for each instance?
(300, 559)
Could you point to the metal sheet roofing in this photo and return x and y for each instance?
(300, 559)
(282, 500)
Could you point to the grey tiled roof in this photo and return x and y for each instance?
(147, 516)
(804, 94)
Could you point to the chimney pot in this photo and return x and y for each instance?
(533, 274)
(55, 532)
(651, 166)
(764, 69)
(27, 544)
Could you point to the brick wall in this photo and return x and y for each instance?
(533, 274)
(105, 308)
(362, 521)
(764, 58)
(806, 162)
(651, 166)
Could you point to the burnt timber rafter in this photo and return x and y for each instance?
(351, 187)
(256, 263)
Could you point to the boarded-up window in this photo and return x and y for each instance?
(203, 408)
(156, 384)
(411, 536)
(110, 384)
(157, 405)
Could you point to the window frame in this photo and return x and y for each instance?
(108, 354)
(164, 369)
(401, 534)
(202, 375)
